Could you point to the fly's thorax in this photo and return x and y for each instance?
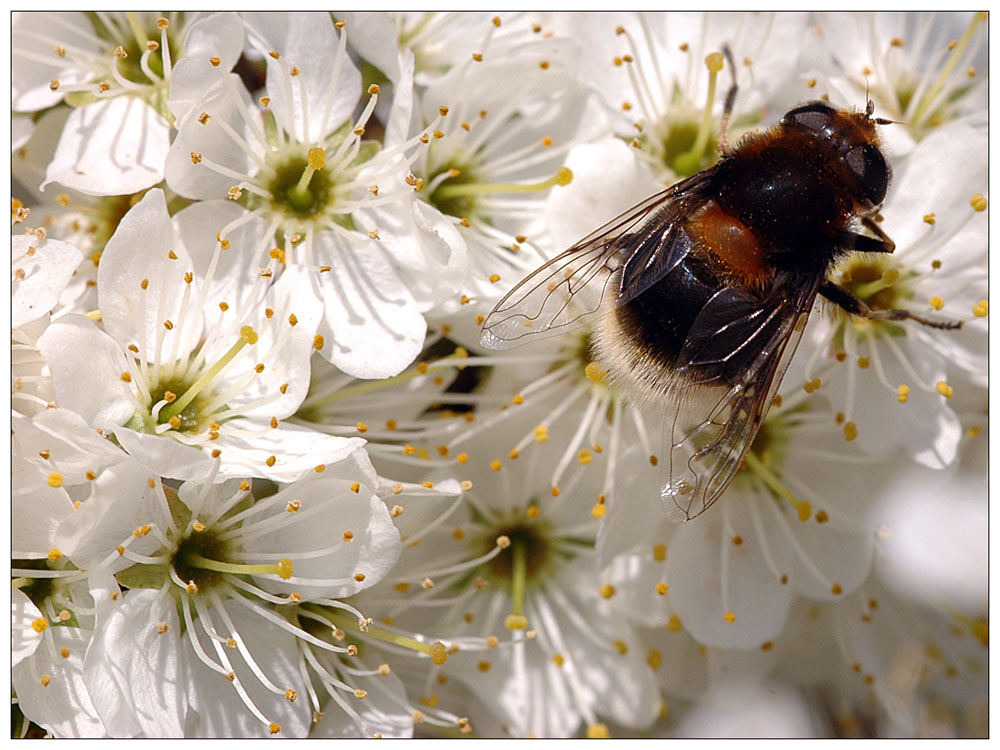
(793, 192)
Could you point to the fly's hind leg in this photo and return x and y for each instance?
(844, 299)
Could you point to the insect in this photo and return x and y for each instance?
(700, 293)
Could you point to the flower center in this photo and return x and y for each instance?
(188, 561)
(763, 463)
(301, 188)
(450, 193)
(881, 286)
(527, 556)
(132, 66)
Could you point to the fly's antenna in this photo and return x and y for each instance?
(727, 110)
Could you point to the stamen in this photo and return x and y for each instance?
(562, 177)
(247, 336)
(518, 579)
(929, 102)
(283, 568)
(299, 196)
(760, 469)
(690, 161)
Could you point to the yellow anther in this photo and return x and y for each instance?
(836, 589)
(674, 623)
(248, 334)
(564, 176)
(864, 363)
(714, 62)
(598, 732)
(729, 617)
(40, 624)
(54, 554)
(285, 568)
(930, 218)
(599, 510)
(541, 433)
(496, 464)
(607, 590)
(55, 479)
(978, 202)
(661, 588)
(595, 372)
(903, 393)
(659, 552)
(850, 431)
(936, 302)
(944, 389)
(981, 308)
(316, 158)
(515, 622)
(438, 652)
(584, 457)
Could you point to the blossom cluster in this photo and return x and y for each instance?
(267, 480)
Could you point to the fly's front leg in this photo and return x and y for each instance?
(862, 243)
(725, 148)
(846, 300)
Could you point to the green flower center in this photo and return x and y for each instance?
(291, 197)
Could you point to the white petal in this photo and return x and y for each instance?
(43, 276)
(308, 42)
(607, 179)
(710, 576)
(30, 77)
(225, 104)
(741, 710)
(688, 670)
(371, 324)
(72, 445)
(139, 254)
(384, 710)
(121, 502)
(429, 253)
(236, 278)
(329, 509)
(373, 35)
(220, 35)
(218, 710)
(24, 639)
(297, 450)
(135, 673)
(21, 128)
(936, 548)
(166, 457)
(36, 509)
(62, 706)
(283, 348)
(112, 147)
(86, 367)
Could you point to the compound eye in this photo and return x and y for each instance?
(871, 169)
(814, 116)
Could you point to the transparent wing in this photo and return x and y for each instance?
(732, 365)
(615, 263)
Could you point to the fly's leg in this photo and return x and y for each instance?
(727, 111)
(844, 299)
